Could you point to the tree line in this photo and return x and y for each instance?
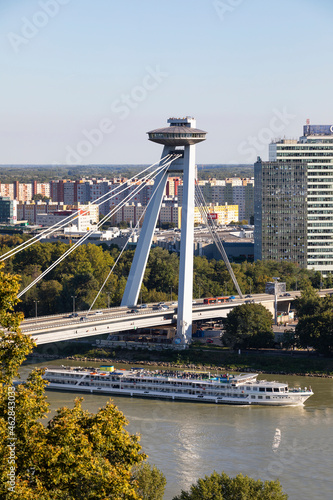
(83, 272)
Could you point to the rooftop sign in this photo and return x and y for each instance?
(318, 130)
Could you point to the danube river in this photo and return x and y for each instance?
(188, 440)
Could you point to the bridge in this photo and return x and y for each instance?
(57, 328)
(60, 327)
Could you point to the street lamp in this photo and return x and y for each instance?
(108, 294)
(36, 302)
(73, 297)
(171, 293)
(250, 283)
(275, 297)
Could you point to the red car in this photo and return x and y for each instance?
(209, 341)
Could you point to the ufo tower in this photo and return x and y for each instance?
(179, 141)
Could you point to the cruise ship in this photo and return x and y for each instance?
(242, 389)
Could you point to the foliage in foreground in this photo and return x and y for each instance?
(222, 487)
(150, 481)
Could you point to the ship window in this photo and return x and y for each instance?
(259, 397)
(253, 397)
(248, 388)
(254, 388)
(276, 389)
(268, 397)
(261, 389)
(269, 389)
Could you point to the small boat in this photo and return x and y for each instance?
(242, 389)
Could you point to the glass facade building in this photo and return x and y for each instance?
(280, 223)
(8, 212)
(313, 152)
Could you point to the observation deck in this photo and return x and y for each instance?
(181, 132)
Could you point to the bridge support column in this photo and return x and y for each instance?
(185, 286)
(139, 263)
(182, 133)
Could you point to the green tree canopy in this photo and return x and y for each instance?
(248, 325)
(308, 303)
(315, 321)
(83, 272)
(150, 481)
(222, 487)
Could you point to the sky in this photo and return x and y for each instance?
(82, 81)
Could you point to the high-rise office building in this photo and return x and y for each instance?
(307, 164)
(280, 229)
(8, 210)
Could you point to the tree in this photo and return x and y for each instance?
(77, 455)
(289, 339)
(150, 481)
(222, 487)
(315, 324)
(317, 331)
(14, 346)
(309, 301)
(40, 197)
(249, 325)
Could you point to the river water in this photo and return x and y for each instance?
(188, 440)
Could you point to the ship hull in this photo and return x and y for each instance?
(239, 401)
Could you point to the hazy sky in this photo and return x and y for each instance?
(82, 81)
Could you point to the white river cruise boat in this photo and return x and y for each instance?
(243, 389)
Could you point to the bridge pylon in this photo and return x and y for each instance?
(179, 141)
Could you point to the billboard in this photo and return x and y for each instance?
(273, 287)
(213, 216)
(318, 130)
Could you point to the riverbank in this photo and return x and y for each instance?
(289, 363)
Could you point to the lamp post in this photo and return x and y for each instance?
(36, 302)
(275, 297)
(108, 294)
(73, 297)
(171, 293)
(199, 291)
(250, 283)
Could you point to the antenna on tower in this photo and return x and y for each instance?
(308, 121)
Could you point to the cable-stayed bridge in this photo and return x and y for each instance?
(56, 328)
(179, 141)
